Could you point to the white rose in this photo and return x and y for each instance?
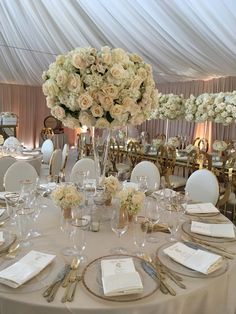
(137, 119)
(106, 58)
(119, 56)
(85, 101)
(51, 101)
(62, 78)
(78, 61)
(136, 83)
(138, 198)
(86, 119)
(102, 123)
(116, 111)
(117, 71)
(110, 90)
(105, 101)
(135, 58)
(50, 88)
(97, 111)
(73, 83)
(58, 112)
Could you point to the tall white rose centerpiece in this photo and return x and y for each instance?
(107, 88)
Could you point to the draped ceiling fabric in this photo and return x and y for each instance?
(183, 40)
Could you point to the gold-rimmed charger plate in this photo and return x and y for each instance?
(186, 227)
(41, 280)
(182, 270)
(92, 280)
(202, 214)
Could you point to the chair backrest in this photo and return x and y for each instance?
(65, 153)
(84, 164)
(20, 170)
(47, 150)
(147, 168)
(55, 163)
(203, 186)
(5, 163)
(11, 141)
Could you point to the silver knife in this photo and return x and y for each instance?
(60, 276)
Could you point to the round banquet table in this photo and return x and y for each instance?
(206, 296)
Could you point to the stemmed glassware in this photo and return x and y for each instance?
(12, 200)
(140, 227)
(79, 227)
(119, 225)
(153, 217)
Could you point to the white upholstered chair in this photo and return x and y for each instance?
(84, 164)
(5, 163)
(47, 150)
(203, 186)
(148, 169)
(11, 141)
(20, 170)
(55, 163)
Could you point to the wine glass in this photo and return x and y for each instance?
(153, 217)
(79, 227)
(119, 225)
(12, 200)
(140, 227)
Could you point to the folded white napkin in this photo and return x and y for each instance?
(2, 211)
(199, 260)
(25, 269)
(213, 230)
(2, 240)
(201, 208)
(119, 277)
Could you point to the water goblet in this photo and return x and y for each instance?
(140, 227)
(79, 227)
(119, 225)
(12, 200)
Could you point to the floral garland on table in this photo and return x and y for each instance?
(132, 200)
(109, 88)
(67, 196)
(169, 106)
(224, 108)
(219, 145)
(198, 109)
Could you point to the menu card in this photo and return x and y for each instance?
(25, 269)
(119, 277)
(199, 260)
(220, 230)
(2, 240)
(201, 208)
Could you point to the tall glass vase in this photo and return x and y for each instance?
(100, 151)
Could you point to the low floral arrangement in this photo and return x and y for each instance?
(8, 115)
(1, 139)
(109, 88)
(169, 106)
(111, 185)
(174, 141)
(132, 200)
(219, 145)
(67, 196)
(190, 148)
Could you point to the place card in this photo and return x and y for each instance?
(199, 260)
(201, 208)
(119, 277)
(220, 230)
(25, 269)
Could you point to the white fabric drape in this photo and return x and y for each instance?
(181, 39)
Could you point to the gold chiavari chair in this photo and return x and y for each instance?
(133, 148)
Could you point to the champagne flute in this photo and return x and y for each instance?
(12, 200)
(119, 225)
